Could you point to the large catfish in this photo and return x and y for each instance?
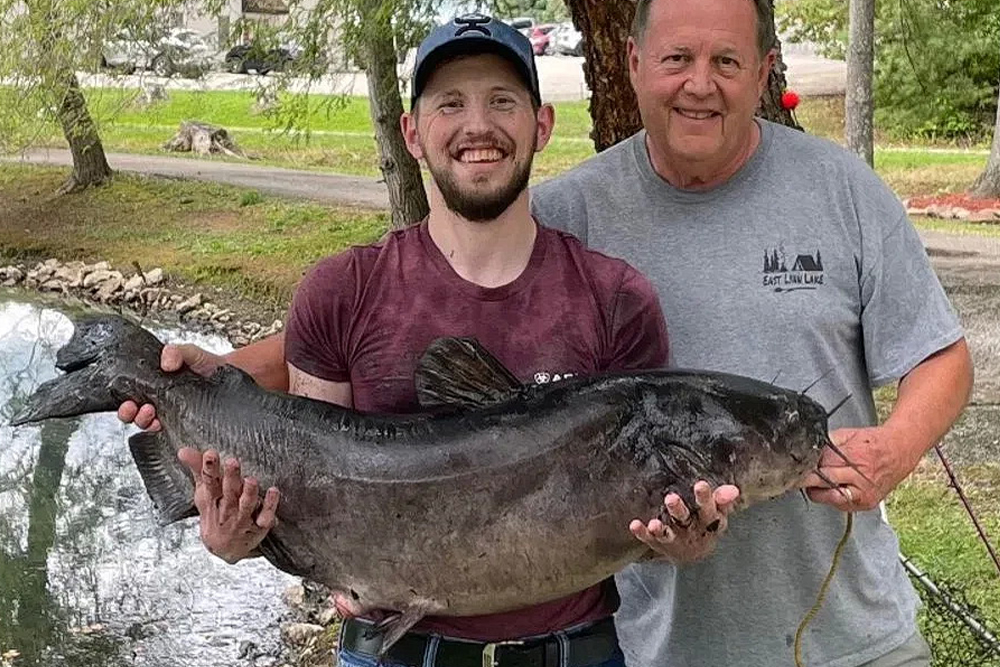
(498, 497)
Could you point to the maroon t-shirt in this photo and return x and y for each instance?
(365, 316)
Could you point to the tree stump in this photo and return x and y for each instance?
(203, 139)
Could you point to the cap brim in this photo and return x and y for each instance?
(469, 46)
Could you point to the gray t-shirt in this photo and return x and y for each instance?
(802, 264)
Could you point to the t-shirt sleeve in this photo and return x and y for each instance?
(556, 204)
(319, 320)
(905, 314)
(638, 329)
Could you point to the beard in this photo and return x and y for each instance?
(477, 205)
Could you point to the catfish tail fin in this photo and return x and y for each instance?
(88, 385)
(73, 394)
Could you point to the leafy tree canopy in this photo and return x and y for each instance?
(543, 11)
(937, 62)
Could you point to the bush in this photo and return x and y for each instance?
(250, 198)
(937, 62)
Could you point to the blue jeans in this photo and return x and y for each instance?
(350, 659)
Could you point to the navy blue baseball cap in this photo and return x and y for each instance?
(471, 34)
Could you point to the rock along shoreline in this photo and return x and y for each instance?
(144, 293)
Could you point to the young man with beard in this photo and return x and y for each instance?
(479, 266)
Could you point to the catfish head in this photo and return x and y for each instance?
(729, 429)
(677, 426)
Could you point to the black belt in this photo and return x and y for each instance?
(592, 644)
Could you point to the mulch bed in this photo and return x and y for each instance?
(959, 206)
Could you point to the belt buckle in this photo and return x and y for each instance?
(490, 651)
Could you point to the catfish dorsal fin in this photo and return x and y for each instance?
(460, 372)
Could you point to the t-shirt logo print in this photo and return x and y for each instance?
(544, 377)
(784, 272)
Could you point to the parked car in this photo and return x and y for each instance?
(179, 51)
(566, 40)
(244, 58)
(126, 52)
(183, 51)
(540, 38)
(522, 24)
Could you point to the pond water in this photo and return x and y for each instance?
(87, 576)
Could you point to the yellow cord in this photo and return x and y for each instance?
(838, 552)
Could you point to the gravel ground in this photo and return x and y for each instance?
(969, 268)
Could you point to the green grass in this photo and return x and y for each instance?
(958, 227)
(330, 113)
(334, 132)
(919, 170)
(822, 116)
(229, 109)
(928, 172)
(935, 532)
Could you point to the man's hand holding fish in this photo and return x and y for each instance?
(689, 536)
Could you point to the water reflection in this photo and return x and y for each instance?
(87, 577)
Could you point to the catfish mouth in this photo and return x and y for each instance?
(847, 461)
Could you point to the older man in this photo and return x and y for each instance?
(773, 253)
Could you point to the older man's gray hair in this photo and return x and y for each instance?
(765, 22)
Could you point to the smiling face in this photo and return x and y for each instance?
(698, 76)
(477, 130)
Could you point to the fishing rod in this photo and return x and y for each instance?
(968, 506)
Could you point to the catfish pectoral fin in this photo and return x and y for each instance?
(275, 551)
(167, 481)
(397, 625)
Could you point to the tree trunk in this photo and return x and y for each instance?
(988, 183)
(770, 102)
(605, 27)
(400, 170)
(90, 167)
(859, 105)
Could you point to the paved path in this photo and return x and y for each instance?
(326, 187)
